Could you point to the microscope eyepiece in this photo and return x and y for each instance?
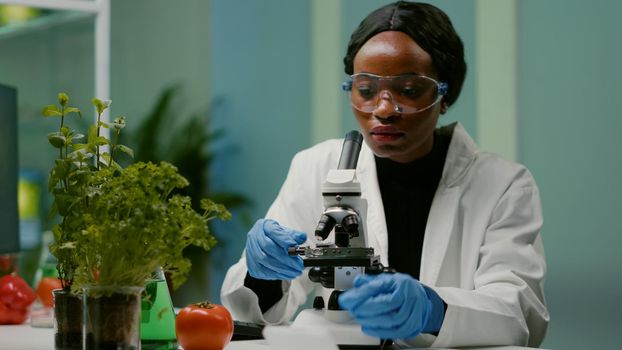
(350, 150)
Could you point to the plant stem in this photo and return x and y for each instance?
(112, 146)
(62, 116)
(62, 123)
(62, 120)
(99, 115)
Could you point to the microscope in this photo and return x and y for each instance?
(335, 260)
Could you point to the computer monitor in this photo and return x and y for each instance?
(9, 221)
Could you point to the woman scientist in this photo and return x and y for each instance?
(460, 226)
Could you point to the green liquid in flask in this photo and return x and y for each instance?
(157, 327)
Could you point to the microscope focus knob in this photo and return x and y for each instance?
(315, 274)
(318, 303)
(333, 303)
(324, 275)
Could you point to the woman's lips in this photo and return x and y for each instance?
(385, 134)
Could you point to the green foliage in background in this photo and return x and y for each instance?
(17, 14)
(186, 142)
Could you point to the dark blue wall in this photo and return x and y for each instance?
(9, 234)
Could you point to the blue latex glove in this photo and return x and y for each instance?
(266, 251)
(393, 306)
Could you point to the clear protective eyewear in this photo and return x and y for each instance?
(409, 93)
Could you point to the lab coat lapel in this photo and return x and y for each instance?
(441, 220)
(438, 231)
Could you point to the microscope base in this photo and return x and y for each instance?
(343, 329)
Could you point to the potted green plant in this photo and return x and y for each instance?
(119, 225)
(67, 184)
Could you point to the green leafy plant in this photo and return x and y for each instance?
(119, 224)
(67, 183)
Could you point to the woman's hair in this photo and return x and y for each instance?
(429, 27)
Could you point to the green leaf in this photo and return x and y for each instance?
(116, 165)
(61, 168)
(126, 150)
(51, 111)
(100, 105)
(76, 136)
(52, 181)
(92, 134)
(94, 140)
(101, 141)
(215, 210)
(57, 139)
(79, 147)
(63, 99)
(105, 157)
(101, 124)
(72, 110)
(52, 213)
(63, 202)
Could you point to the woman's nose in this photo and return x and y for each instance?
(386, 107)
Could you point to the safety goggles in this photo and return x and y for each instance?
(409, 93)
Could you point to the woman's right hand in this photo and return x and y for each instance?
(266, 251)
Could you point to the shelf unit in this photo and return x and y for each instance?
(75, 10)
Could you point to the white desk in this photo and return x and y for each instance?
(25, 337)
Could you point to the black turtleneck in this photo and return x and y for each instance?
(407, 191)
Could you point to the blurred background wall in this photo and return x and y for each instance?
(260, 69)
(569, 129)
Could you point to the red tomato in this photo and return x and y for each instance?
(15, 299)
(12, 316)
(45, 288)
(15, 292)
(204, 326)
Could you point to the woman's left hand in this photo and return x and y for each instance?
(393, 306)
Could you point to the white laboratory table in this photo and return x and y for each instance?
(25, 337)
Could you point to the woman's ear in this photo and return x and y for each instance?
(444, 107)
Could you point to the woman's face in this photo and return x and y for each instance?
(399, 136)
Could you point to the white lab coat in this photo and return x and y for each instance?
(482, 251)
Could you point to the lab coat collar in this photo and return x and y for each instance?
(460, 155)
